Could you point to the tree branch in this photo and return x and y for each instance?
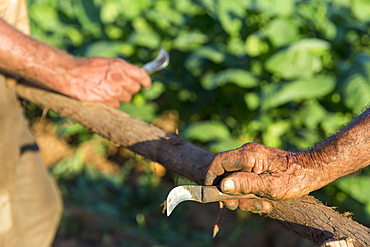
(306, 216)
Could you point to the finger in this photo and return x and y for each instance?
(140, 76)
(210, 177)
(235, 160)
(255, 205)
(231, 204)
(125, 96)
(134, 87)
(228, 161)
(243, 183)
(136, 73)
(232, 166)
(214, 170)
(119, 80)
(145, 80)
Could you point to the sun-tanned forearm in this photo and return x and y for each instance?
(281, 175)
(347, 151)
(107, 80)
(29, 58)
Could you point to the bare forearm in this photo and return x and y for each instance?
(32, 59)
(347, 151)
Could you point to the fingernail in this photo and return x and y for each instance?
(258, 205)
(228, 186)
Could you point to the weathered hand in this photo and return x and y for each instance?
(107, 80)
(264, 171)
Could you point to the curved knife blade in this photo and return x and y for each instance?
(160, 62)
(183, 193)
(198, 193)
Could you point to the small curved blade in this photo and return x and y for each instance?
(199, 193)
(183, 193)
(160, 62)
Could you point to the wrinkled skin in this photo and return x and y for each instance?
(275, 174)
(262, 171)
(106, 80)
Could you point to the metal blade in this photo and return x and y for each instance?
(160, 62)
(183, 193)
(199, 193)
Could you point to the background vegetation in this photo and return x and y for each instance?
(282, 73)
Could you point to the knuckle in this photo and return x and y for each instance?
(135, 88)
(126, 98)
(209, 177)
(251, 145)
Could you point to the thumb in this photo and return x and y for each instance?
(243, 183)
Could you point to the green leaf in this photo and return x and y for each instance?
(70, 128)
(45, 16)
(154, 91)
(356, 92)
(361, 9)
(313, 45)
(355, 85)
(189, 41)
(302, 59)
(164, 17)
(328, 28)
(110, 12)
(74, 35)
(278, 94)
(213, 54)
(69, 167)
(210, 6)
(273, 133)
(282, 32)
(207, 131)
(235, 46)
(188, 7)
(273, 7)
(239, 77)
(149, 39)
(225, 144)
(231, 15)
(255, 45)
(194, 63)
(252, 100)
(145, 112)
(131, 9)
(333, 121)
(89, 17)
(104, 49)
(357, 187)
(113, 32)
(312, 114)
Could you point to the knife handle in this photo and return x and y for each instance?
(213, 194)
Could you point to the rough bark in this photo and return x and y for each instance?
(306, 216)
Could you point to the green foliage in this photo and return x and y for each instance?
(207, 131)
(276, 95)
(285, 73)
(357, 187)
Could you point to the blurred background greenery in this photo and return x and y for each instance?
(284, 73)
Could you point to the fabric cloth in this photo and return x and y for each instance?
(30, 204)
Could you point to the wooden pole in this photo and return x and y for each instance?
(306, 215)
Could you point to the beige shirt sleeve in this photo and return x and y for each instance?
(15, 13)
